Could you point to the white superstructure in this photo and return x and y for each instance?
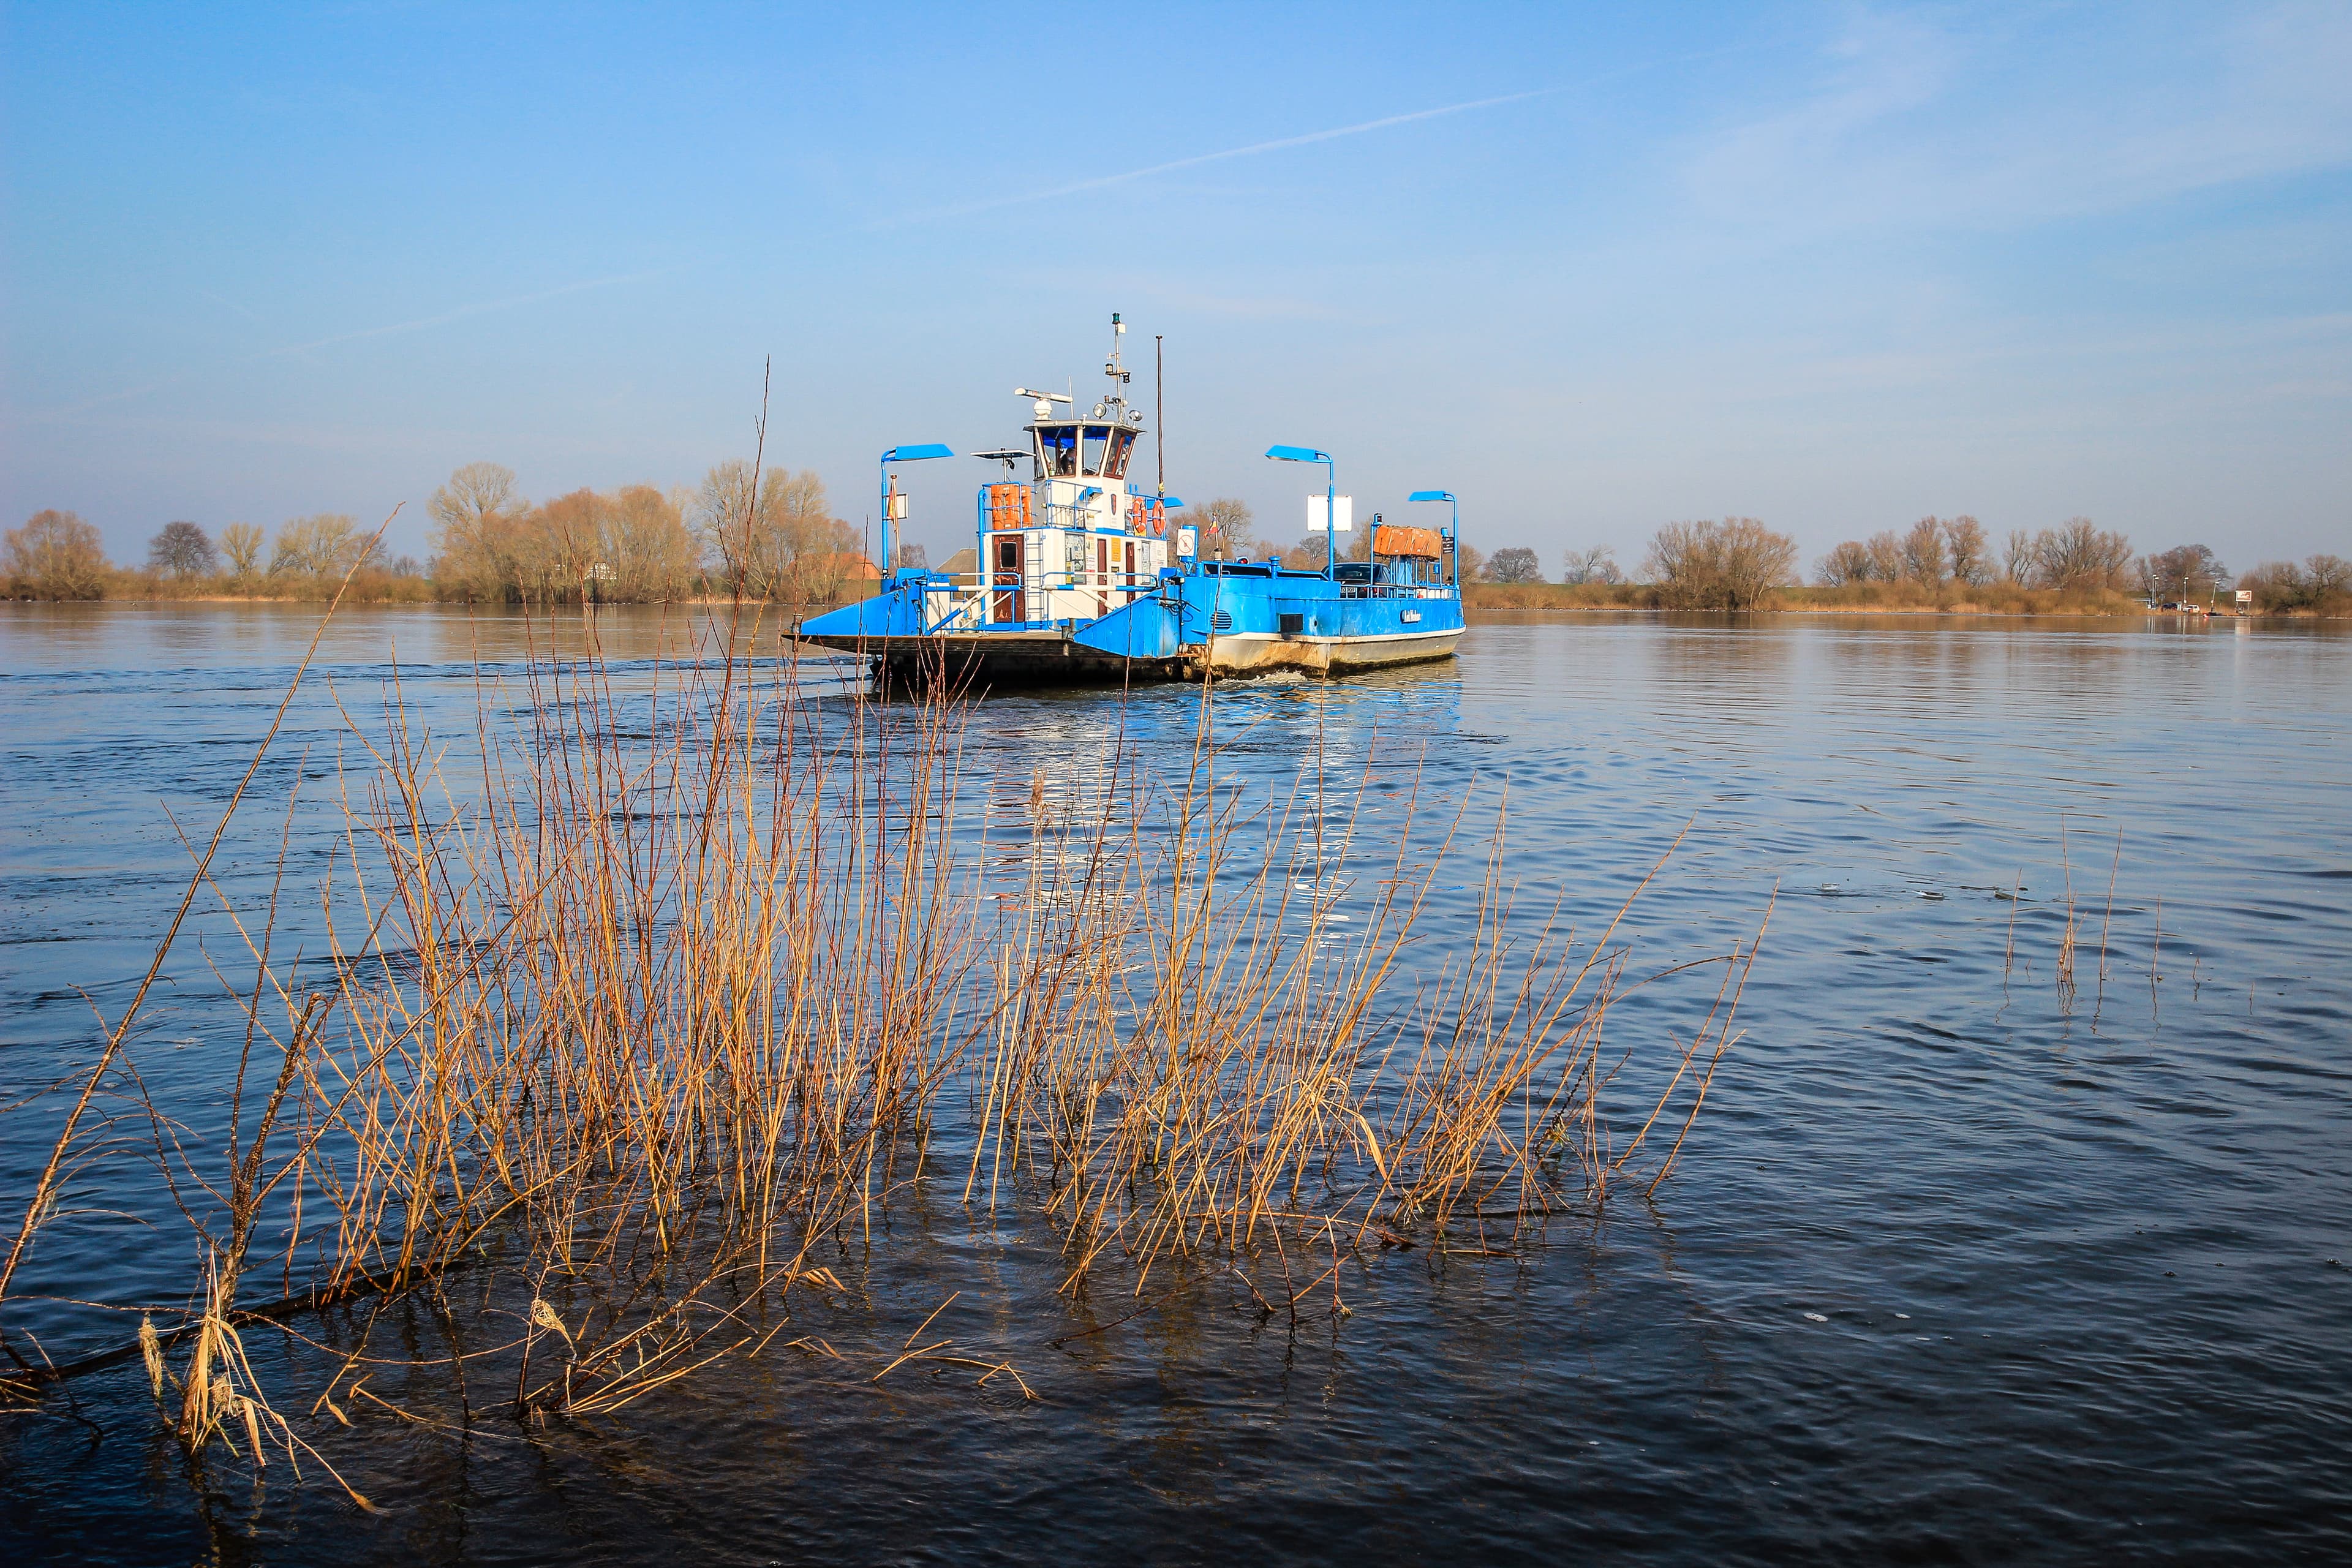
(1081, 537)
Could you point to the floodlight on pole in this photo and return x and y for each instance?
(914, 454)
(1330, 498)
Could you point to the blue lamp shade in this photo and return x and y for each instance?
(1297, 454)
(912, 454)
(1430, 495)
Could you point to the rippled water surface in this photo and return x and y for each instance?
(1956, 1266)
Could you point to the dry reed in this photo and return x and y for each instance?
(661, 982)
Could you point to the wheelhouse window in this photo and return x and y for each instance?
(1098, 441)
(1057, 451)
(1122, 445)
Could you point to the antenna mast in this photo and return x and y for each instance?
(1158, 418)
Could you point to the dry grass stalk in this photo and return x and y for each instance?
(2066, 937)
(661, 991)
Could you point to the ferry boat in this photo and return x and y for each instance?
(1083, 572)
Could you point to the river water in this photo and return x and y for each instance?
(1957, 1267)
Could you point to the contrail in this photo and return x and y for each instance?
(1100, 181)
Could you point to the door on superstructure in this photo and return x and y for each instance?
(1006, 578)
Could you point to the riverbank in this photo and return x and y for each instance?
(1854, 599)
(1860, 599)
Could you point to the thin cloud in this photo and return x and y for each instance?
(420, 324)
(1101, 180)
(459, 314)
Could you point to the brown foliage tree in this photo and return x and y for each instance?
(327, 544)
(1885, 551)
(56, 555)
(242, 542)
(1923, 551)
(631, 546)
(2283, 586)
(1227, 529)
(1965, 547)
(781, 542)
(1847, 563)
(652, 556)
(2079, 555)
(1724, 565)
(474, 532)
(1307, 555)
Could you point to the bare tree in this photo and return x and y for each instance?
(781, 541)
(725, 519)
(242, 542)
(914, 555)
(56, 555)
(2192, 564)
(1971, 554)
(2279, 585)
(1226, 529)
(1514, 563)
(1597, 564)
(182, 549)
(1469, 564)
(1885, 551)
(652, 556)
(473, 543)
(2017, 562)
(1923, 551)
(2284, 585)
(327, 544)
(1848, 563)
(1724, 565)
(2078, 554)
(563, 539)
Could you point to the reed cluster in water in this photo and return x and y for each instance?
(647, 999)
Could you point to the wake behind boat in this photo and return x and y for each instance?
(1080, 575)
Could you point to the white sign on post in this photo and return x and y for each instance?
(1318, 506)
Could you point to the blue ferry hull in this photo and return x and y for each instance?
(1225, 618)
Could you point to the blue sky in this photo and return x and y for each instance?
(1837, 266)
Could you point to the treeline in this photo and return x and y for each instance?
(2078, 557)
(56, 555)
(768, 538)
(1691, 565)
(777, 538)
(774, 539)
